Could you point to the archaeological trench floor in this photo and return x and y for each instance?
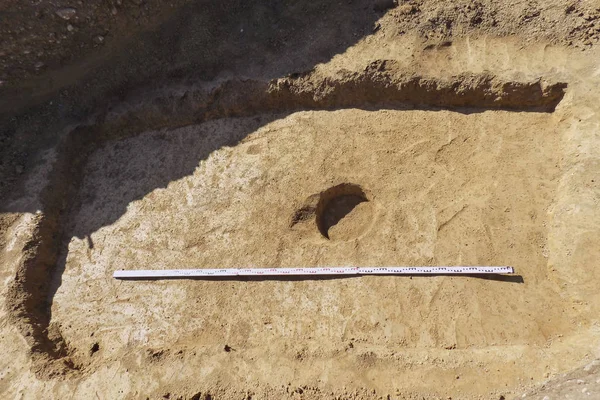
(403, 187)
(424, 187)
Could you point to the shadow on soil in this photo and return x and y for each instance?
(261, 39)
(204, 41)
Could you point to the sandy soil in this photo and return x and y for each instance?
(433, 144)
(436, 197)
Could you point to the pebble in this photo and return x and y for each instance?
(66, 13)
(583, 390)
(546, 398)
(591, 365)
(70, 28)
(407, 9)
(99, 39)
(39, 65)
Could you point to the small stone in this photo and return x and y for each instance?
(546, 398)
(70, 28)
(99, 39)
(66, 13)
(580, 381)
(584, 390)
(39, 65)
(594, 363)
(407, 9)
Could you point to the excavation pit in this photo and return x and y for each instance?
(344, 212)
(177, 199)
(370, 168)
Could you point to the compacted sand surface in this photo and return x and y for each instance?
(481, 195)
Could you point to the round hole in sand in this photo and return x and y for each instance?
(344, 212)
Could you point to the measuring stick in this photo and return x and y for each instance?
(331, 271)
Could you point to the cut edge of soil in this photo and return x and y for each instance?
(380, 85)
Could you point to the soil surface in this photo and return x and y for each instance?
(167, 135)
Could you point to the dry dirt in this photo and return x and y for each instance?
(316, 134)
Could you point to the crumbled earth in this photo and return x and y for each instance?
(41, 35)
(163, 135)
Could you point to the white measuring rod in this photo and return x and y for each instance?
(206, 273)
